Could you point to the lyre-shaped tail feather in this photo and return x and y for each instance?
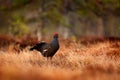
(38, 46)
(31, 49)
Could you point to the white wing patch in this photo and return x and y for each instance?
(45, 50)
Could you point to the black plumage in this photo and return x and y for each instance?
(47, 49)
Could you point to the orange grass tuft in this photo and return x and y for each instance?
(73, 61)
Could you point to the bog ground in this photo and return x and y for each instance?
(75, 60)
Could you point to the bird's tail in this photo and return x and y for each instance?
(31, 49)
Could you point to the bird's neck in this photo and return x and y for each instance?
(55, 41)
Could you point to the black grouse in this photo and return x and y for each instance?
(48, 49)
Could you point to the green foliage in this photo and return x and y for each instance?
(11, 4)
(51, 11)
(53, 4)
(18, 27)
(102, 7)
(19, 2)
(53, 16)
(55, 12)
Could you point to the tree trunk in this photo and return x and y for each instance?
(111, 25)
(72, 22)
(100, 27)
(41, 26)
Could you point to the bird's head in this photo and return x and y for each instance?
(56, 35)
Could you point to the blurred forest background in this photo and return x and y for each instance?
(71, 18)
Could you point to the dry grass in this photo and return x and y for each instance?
(73, 61)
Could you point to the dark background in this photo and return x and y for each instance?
(71, 18)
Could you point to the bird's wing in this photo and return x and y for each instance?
(38, 46)
(41, 44)
(46, 50)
